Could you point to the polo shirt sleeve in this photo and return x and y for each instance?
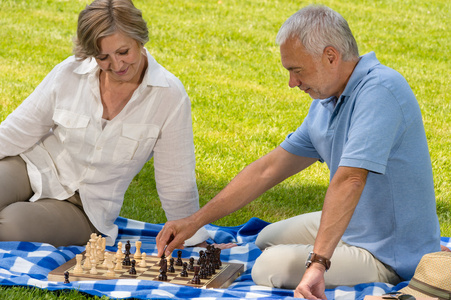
(299, 142)
(376, 127)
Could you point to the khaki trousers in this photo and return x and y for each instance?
(57, 222)
(287, 245)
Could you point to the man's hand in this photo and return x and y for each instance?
(312, 285)
(174, 234)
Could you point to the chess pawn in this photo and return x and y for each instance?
(171, 268)
(106, 256)
(93, 270)
(78, 268)
(138, 254)
(132, 270)
(119, 253)
(196, 279)
(110, 272)
(143, 263)
(66, 277)
(184, 273)
(191, 264)
(179, 261)
(118, 265)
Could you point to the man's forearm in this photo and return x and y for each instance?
(340, 202)
(250, 183)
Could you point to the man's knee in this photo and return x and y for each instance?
(280, 266)
(264, 238)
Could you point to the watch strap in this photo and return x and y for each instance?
(315, 258)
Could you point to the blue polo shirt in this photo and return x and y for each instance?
(376, 125)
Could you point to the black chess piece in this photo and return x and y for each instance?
(171, 268)
(179, 261)
(218, 262)
(132, 270)
(191, 264)
(202, 273)
(184, 272)
(211, 269)
(161, 260)
(196, 279)
(127, 248)
(201, 257)
(66, 277)
(126, 261)
(164, 265)
(162, 276)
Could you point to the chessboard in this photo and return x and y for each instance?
(146, 267)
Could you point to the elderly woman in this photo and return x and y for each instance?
(70, 150)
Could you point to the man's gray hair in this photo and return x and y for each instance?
(318, 27)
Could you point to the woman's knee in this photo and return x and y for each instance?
(56, 222)
(14, 181)
(16, 224)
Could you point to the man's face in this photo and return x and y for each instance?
(313, 75)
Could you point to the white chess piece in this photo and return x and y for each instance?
(87, 264)
(119, 253)
(137, 254)
(78, 268)
(143, 263)
(93, 270)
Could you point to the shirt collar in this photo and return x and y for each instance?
(155, 73)
(366, 62)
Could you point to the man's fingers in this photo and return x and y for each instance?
(174, 244)
(164, 237)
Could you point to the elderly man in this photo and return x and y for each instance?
(366, 124)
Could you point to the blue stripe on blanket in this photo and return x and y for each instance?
(28, 264)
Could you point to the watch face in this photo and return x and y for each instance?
(308, 262)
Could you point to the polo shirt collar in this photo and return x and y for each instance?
(155, 75)
(366, 62)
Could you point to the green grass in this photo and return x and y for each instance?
(225, 54)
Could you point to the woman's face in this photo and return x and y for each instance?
(121, 58)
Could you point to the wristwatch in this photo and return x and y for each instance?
(313, 257)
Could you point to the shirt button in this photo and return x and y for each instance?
(98, 148)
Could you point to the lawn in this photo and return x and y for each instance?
(224, 53)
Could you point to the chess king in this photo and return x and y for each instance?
(70, 150)
(365, 123)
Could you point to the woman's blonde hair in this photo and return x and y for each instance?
(103, 18)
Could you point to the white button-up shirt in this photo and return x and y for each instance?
(58, 131)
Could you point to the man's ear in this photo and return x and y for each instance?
(331, 54)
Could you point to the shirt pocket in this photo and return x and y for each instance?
(136, 142)
(71, 129)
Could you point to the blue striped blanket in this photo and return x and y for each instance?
(28, 264)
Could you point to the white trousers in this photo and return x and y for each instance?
(287, 244)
